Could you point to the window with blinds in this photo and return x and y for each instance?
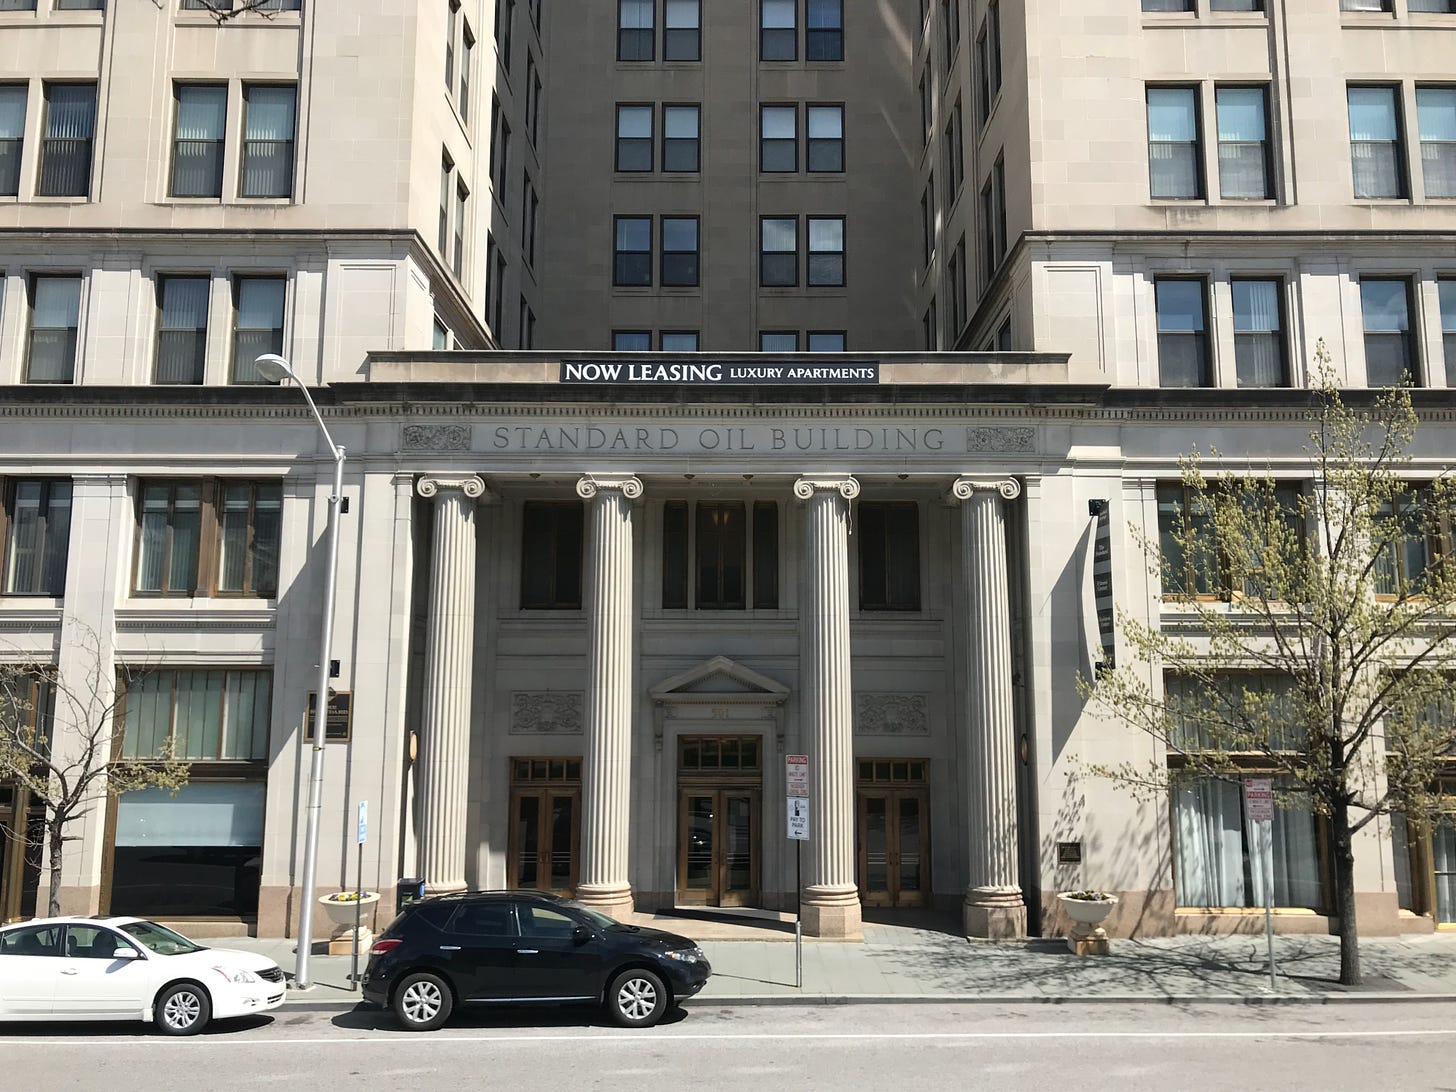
(1259, 348)
(12, 136)
(37, 535)
(182, 328)
(1183, 357)
(1175, 150)
(1436, 119)
(55, 314)
(1385, 307)
(197, 147)
(1377, 154)
(257, 323)
(269, 115)
(208, 538)
(1243, 146)
(70, 126)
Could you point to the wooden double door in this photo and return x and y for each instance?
(893, 833)
(545, 845)
(720, 790)
(21, 827)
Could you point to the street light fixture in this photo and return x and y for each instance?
(275, 369)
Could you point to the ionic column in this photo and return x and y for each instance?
(606, 777)
(444, 761)
(993, 904)
(830, 902)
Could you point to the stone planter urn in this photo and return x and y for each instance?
(340, 908)
(1087, 913)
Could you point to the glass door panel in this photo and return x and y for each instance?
(698, 873)
(876, 852)
(1443, 855)
(527, 845)
(563, 842)
(740, 867)
(910, 837)
(893, 847)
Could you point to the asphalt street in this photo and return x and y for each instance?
(884, 1048)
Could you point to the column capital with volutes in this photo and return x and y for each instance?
(592, 484)
(846, 487)
(469, 484)
(965, 488)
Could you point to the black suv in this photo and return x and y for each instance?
(520, 946)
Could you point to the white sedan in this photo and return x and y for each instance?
(128, 969)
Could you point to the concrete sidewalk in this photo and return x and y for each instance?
(898, 963)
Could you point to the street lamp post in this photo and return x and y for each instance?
(277, 370)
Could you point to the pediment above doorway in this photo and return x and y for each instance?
(719, 689)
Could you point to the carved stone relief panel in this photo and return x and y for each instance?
(436, 438)
(549, 712)
(891, 714)
(985, 438)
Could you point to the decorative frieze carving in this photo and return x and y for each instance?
(548, 712)
(985, 438)
(436, 438)
(891, 715)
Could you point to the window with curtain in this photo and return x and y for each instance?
(17, 5)
(778, 341)
(678, 341)
(208, 537)
(467, 61)
(1436, 117)
(1377, 154)
(1366, 5)
(250, 523)
(631, 341)
(826, 341)
(826, 251)
(824, 33)
(182, 328)
(1446, 292)
(204, 715)
(55, 313)
(826, 139)
(1182, 332)
(778, 252)
(551, 552)
(442, 230)
(634, 137)
(1437, 7)
(457, 254)
(778, 35)
(269, 113)
(1167, 5)
(682, 30)
(70, 125)
(1421, 536)
(1259, 351)
(12, 136)
(1236, 5)
(778, 139)
(1175, 151)
(1243, 146)
(1389, 350)
(635, 30)
(889, 555)
(632, 261)
(197, 148)
(680, 251)
(169, 537)
(680, 138)
(257, 323)
(37, 535)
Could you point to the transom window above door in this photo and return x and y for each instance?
(710, 754)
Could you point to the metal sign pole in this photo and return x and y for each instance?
(1268, 826)
(359, 893)
(799, 915)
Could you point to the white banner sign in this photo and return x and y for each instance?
(798, 819)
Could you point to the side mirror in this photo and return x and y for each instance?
(126, 953)
(581, 934)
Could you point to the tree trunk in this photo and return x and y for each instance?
(56, 839)
(1345, 895)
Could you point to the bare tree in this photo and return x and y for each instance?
(225, 10)
(63, 743)
(1306, 632)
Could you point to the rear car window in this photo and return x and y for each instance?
(32, 940)
(484, 919)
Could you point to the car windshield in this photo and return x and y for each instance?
(601, 921)
(159, 939)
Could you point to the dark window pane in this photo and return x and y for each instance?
(1385, 307)
(1173, 167)
(720, 556)
(889, 544)
(551, 548)
(675, 555)
(765, 555)
(65, 169)
(1182, 337)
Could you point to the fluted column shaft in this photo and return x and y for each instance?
(831, 900)
(607, 762)
(993, 905)
(449, 649)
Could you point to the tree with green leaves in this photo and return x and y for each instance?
(1307, 632)
(62, 745)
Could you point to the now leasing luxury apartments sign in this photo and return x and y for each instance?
(720, 373)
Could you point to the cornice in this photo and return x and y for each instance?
(162, 620)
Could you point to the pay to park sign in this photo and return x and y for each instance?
(796, 781)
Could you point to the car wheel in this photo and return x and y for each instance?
(637, 999)
(422, 1002)
(183, 1009)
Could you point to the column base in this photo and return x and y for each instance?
(831, 912)
(995, 913)
(615, 902)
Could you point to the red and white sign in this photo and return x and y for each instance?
(796, 769)
(1259, 799)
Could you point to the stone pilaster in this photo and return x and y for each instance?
(830, 903)
(444, 761)
(607, 762)
(993, 903)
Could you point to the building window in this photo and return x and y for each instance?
(678, 341)
(1437, 7)
(198, 147)
(720, 543)
(1259, 352)
(721, 532)
(635, 30)
(778, 256)
(250, 517)
(467, 57)
(931, 326)
(1174, 149)
(680, 138)
(634, 138)
(439, 336)
(824, 35)
(631, 341)
(182, 328)
(55, 312)
(1377, 157)
(1236, 5)
(778, 34)
(500, 154)
(527, 337)
(1446, 290)
(956, 287)
(778, 341)
(1243, 146)
(12, 136)
(457, 254)
(70, 125)
(257, 324)
(1003, 337)
(452, 22)
(682, 30)
(204, 538)
(80, 5)
(1217, 854)
(442, 232)
(889, 555)
(1365, 5)
(1182, 332)
(826, 251)
(950, 22)
(505, 13)
(632, 266)
(993, 219)
(826, 341)
(1185, 517)
(988, 52)
(1420, 538)
(927, 221)
(551, 544)
(498, 300)
(267, 169)
(530, 212)
(1436, 117)
(778, 139)
(1168, 5)
(533, 102)
(826, 139)
(1385, 306)
(680, 251)
(954, 156)
(37, 518)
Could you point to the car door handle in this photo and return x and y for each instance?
(69, 970)
(449, 947)
(528, 951)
